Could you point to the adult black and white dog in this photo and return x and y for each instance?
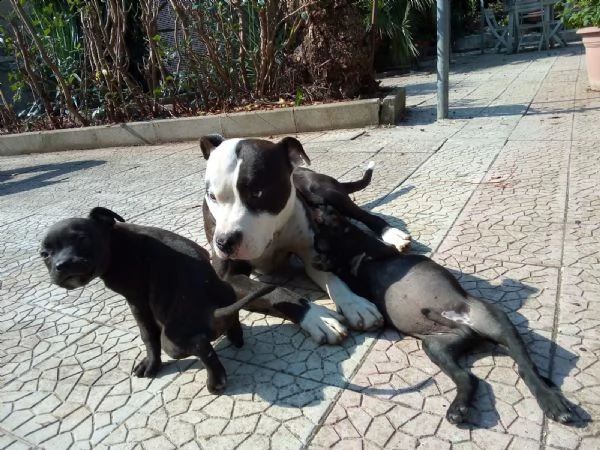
(254, 219)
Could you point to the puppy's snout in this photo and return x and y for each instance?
(62, 265)
(69, 264)
(65, 264)
(229, 242)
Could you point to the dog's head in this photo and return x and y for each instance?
(76, 250)
(341, 246)
(249, 191)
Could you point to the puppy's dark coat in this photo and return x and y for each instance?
(175, 295)
(419, 297)
(318, 188)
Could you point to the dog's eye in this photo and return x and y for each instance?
(44, 254)
(211, 196)
(256, 194)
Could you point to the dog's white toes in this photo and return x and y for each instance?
(396, 237)
(360, 313)
(324, 325)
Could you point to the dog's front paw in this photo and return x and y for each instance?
(324, 325)
(359, 312)
(147, 368)
(397, 238)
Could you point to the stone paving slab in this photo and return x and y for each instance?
(517, 213)
(79, 395)
(504, 193)
(263, 409)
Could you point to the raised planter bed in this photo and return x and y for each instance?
(329, 116)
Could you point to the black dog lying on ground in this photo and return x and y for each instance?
(420, 298)
(174, 293)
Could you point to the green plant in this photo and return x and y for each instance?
(82, 62)
(581, 13)
(396, 24)
(44, 39)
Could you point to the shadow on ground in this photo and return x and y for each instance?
(33, 177)
(460, 109)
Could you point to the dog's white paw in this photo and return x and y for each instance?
(324, 325)
(396, 237)
(359, 312)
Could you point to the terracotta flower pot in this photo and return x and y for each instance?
(591, 42)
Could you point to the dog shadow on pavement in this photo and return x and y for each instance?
(22, 179)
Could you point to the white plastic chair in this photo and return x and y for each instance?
(499, 32)
(530, 25)
(552, 26)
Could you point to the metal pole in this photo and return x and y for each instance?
(481, 24)
(443, 57)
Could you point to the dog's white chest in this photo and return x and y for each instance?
(295, 237)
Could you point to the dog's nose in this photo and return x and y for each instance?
(67, 264)
(63, 265)
(228, 242)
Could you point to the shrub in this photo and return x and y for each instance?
(581, 13)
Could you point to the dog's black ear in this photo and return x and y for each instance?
(209, 142)
(105, 216)
(295, 151)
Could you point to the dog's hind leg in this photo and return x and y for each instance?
(323, 324)
(235, 333)
(216, 375)
(199, 345)
(494, 324)
(444, 350)
(348, 208)
(150, 334)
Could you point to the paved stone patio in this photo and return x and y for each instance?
(506, 193)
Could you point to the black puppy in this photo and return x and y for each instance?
(420, 298)
(317, 188)
(174, 293)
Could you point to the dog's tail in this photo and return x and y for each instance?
(235, 307)
(353, 186)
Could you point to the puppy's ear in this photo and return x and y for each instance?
(209, 142)
(295, 151)
(105, 216)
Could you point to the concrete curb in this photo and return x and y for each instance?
(300, 119)
(392, 106)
